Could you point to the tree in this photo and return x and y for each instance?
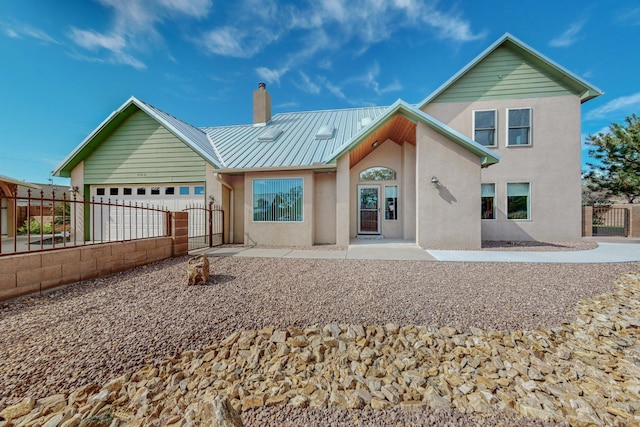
(617, 171)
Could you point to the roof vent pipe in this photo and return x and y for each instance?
(261, 105)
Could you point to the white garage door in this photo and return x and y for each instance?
(117, 223)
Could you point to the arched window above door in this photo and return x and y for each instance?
(378, 173)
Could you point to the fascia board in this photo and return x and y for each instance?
(60, 169)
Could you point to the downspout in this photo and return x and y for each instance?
(231, 203)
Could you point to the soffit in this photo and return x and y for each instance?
(398, 129)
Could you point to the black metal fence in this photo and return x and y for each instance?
(609, 221)
(206, 225)
(39, 223)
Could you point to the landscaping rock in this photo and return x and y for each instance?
(198, 270)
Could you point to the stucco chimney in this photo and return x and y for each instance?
(261, 105)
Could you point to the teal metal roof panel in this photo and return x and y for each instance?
(240, 147)
(190, 134)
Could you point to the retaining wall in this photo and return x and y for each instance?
(27, 273)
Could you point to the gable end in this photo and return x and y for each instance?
(141, 150)
(506, 74)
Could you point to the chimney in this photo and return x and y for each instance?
(261, 105)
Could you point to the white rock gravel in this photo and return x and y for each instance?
(99, 329)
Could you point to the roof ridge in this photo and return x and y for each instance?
(170, 115)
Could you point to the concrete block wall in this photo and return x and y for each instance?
(27, 273)
(22, 274)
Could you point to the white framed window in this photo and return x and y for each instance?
(488, 201)
(484, 127)
(391, 202)
(518, 200)
(198, 189)
(278, 200)
(518, 127)
(184, 191)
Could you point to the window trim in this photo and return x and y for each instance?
(530, 127)
(253, 180)
(495, 127)
(495, 201)
(506, 202)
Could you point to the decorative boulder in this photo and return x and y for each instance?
(198, 270)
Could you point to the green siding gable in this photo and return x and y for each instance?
(504, 74)
(141, 151)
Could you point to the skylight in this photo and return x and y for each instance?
(364, 122)
(325, 132)
(271, 134)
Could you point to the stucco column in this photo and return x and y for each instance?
(342, 201)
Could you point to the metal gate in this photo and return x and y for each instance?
(206, 225)
(607, 221)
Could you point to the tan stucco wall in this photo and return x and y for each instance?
(448, 215)
(237, 182)
(280, 233)
(389, 155)
(342, 200)
(408, 192)
(324, 208)
(552, 166)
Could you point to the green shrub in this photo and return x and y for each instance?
(33, 227)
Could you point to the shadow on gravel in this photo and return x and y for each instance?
(218, 279)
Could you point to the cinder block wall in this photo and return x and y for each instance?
(23, 274)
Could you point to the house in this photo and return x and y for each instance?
(9, 200)
(493, 154)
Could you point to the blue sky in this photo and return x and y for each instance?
(68, 64)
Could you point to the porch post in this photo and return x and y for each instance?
(342, 201)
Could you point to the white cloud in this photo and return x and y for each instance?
(628, 103)
(569, 37)
(629, 17)
(20, 30)
(92, 40)
(370, 80)
(270, 75)
(307, 85)
(327, 26)
(195, 8)
(225, 41)
(334, 89)
(134, 28)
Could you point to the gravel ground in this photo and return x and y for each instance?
(99, 329)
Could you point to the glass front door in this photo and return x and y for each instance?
(369, 209)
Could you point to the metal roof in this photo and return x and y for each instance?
(188, 133)
(239, 147)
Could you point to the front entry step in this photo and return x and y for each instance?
(370, 236)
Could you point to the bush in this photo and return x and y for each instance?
(33, 227)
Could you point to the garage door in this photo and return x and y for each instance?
(122, 223)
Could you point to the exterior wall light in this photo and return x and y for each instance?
(434, 181)
(375, 144)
